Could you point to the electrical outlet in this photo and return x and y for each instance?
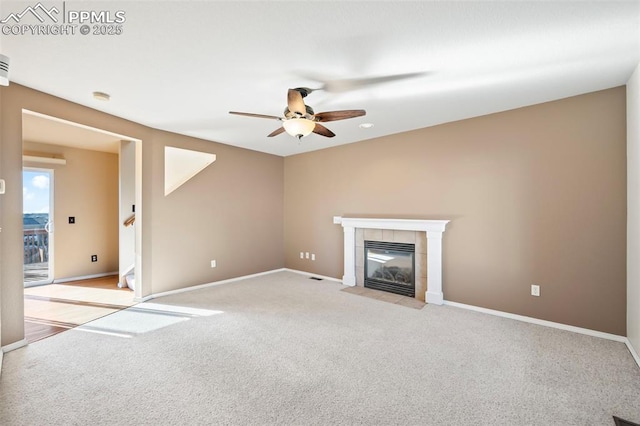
(213, 263)
(301, 255)
(72, 219)
(306, 255)
(313, 256)
(94, 257)
(535, 290)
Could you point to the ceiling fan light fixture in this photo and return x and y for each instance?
(298, 127)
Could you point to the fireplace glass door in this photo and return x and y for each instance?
(390, 267)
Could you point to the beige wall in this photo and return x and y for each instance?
(208, 218)
(534, 195)
(12, 304)
(87, 189)
(633, 212)
(230, 212)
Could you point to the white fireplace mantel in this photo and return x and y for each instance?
(433, 229)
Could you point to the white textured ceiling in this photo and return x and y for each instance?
(181, 66)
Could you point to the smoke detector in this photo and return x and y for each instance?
(101, 96)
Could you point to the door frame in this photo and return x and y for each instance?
(139, 289)
(51, 246)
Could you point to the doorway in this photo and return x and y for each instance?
(87, 164)
(37, 220)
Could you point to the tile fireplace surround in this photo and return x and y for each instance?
(433, 230)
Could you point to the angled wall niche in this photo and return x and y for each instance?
(180, 165)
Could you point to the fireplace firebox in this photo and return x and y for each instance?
(390, 267)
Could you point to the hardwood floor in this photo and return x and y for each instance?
(35, 329)
(54, 308)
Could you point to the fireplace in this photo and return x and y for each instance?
(390, 267)
(425, 234)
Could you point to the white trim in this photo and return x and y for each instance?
(84, 277)
(15, 345)
(143, 282)
(229, 281)
(51, 231)
(544, 323)
(434, 298)
(537, 321)
(309, 274)
(81, 126)
(399, 224)
(434, 292)
(200, 286)
(44, 160)
(349, 277)
(122, 277)
(634, 354)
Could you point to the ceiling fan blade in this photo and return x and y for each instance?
(276, 132)
(347, 84)
(295, 102)
(321, 130)
(250, 114)
(357, 83)
(339, 115)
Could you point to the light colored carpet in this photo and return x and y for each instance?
(284, 349)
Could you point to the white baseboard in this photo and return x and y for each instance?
(15, 345)
(537, 321)
(84, 277)
(634, 354)
(200, 286)
(588, 332)
(231, 280)
(309, 274)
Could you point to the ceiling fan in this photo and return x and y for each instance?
(299, 119)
